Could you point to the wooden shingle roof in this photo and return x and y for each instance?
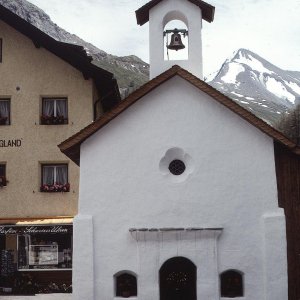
(142, 14)
(71, 146)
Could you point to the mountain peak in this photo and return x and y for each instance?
(242, 52)
(259, 86)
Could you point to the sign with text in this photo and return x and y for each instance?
(35, 229)
(10, 143)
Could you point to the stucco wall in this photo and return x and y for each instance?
(231, 184)
(38, 73)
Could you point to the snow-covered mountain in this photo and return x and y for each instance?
(130, 71)
(259, 86)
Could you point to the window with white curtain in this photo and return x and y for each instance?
(55, 178)
(4, 111)
(54, 111)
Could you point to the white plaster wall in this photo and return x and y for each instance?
(232, 185)
(83, 260)
(159, 15)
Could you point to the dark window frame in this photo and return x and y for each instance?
(48, 188)
(54, 120)
(234, 290)
(60, 242)
(177, 167)
(9, 108)
(1, 49)
(3, 180)
(125, 285)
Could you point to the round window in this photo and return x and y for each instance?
(177, 167)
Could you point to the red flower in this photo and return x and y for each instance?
(56, 187)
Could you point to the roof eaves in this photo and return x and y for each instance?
(233, 106)
(90, 129)
(68, 146)
(142, 14)
(208, 11)
(73, 54)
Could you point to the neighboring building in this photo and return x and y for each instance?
(48, 91)
(178, 187)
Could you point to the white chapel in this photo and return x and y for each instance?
(178, 195)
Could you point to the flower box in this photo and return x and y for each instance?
(3, 181)
(55, 188)
(53, 120)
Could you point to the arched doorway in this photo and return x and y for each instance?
(177, 279)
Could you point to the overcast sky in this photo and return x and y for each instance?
(270, 28)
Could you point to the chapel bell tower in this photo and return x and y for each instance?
(161, 40)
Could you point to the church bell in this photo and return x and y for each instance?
(176, 43)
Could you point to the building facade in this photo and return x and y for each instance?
(190, 205)
(179, 188)
(49, 90)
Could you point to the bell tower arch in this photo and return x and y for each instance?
(175, 36)
(159, 13)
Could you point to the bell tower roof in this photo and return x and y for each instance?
(142, 14)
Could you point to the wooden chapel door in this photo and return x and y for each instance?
(177, 279)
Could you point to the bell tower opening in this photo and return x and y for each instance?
(176, 41)
(164, 17)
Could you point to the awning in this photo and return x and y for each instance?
(37, 221)
(60, 225)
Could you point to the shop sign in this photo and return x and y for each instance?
(10, 143)
(32, 229)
